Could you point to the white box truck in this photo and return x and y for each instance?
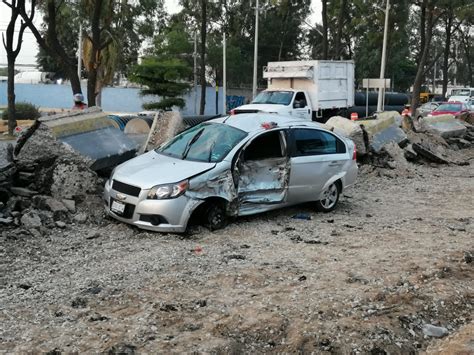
(311, 89)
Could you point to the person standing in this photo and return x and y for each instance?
(79, 103)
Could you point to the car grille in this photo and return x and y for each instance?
(125, 188)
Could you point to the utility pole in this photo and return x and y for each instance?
(224, 76)
(434, 74)
(195, 73)
(382, 66)
(255, 52)
(79, 53)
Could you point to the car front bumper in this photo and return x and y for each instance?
(170, 215)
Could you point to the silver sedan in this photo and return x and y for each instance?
(232, 166)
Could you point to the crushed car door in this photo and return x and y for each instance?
(262, 172)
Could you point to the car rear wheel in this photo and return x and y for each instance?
(329, 200)
(215, 216)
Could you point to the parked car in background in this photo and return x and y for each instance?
(426, 109)
(232, 166)
(460, 110)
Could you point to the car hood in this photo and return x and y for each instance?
(150, 169)
(262, 107)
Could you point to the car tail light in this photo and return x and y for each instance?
(232, 112)
(354, 154)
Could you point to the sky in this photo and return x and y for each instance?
(29, 48)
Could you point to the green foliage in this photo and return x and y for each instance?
(23, 111)
(129, 23)
(164, 78)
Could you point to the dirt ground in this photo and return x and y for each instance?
(395, 256)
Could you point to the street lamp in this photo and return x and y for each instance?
(382, 65)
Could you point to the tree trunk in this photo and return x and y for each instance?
(427, 6)
(340, 23)
(324, 14)
(11, 95)
(202, 76)
(465, 38)
(50, 43)
(94, 60)
(16, 7)
(447, 46)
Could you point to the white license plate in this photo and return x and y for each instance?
(117, 207)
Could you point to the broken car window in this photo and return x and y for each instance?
(206, 142)
(265, 146)
(315, 142)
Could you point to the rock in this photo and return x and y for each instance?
(80, 218)
(79, 302)
(6, 221)
(31, 219)
(54, 205)
(122, 349)
(434, 331)
(410, 153)
(426, 152)
(21, 191)
(70, 205)
(461, 143)
(396, 154)
(349, 129)
(60, 224)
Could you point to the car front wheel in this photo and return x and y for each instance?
(329, 199)
(215, 216)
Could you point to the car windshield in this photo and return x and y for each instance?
(206, 142)
(460, 92)
(449, 107)
(274, 97)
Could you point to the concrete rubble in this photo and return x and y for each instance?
(436, 140)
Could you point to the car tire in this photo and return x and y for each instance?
(215, 216)
(330, 198)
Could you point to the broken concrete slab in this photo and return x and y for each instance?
(350, 129)
(31, 219)
(24, 192)
(426, 152)
(91, 133)
(165, 126)
(445, 126)
(383, 130)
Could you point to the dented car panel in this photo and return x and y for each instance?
(248, 163)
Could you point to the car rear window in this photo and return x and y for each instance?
(315, 142)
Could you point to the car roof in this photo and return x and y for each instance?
(252, 122)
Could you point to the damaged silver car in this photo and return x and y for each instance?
(232, 166)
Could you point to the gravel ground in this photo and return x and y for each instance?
(395, 256)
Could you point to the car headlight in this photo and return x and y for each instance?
(167, 191)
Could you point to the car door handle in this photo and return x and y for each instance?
(335, 163)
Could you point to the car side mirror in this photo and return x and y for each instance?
(297, 104)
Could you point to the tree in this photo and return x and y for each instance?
(49, 40)
(164, 78)
(427, 21)
(16, 7)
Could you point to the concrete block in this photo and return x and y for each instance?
(383, 130)
(445, 126)
(350, 129)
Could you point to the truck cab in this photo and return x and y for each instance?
(295, 103)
